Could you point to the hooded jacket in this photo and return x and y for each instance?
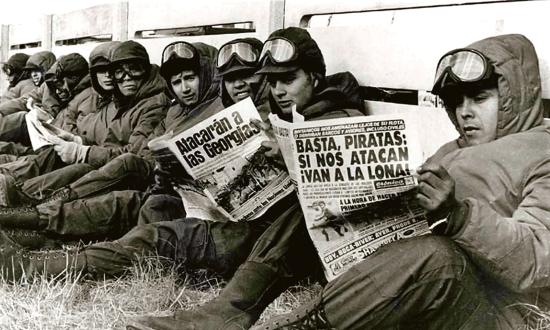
(45, 96)
(123, 127)
(41, 61)
(21, 88)
(181, 117)
(22, 83)
(95, 98)
(69, 65)
(505, 185)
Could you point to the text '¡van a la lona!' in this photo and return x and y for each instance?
(372, 156)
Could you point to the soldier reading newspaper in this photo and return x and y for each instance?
(355, 178)
(224, 156)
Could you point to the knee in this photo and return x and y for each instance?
(419, 257)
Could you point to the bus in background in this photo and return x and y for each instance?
(390, 46)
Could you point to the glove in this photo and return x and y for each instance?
(71, 152)
(70, 137)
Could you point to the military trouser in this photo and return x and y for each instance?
(126, 171)
(45, 160)
(426, 282)
(102, 206)
(13, 128)
(190, 243)
(89, 204)
(407, 284)
(11, 151)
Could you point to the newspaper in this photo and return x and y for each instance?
(224, 155)
(355, 180)
(41, 133)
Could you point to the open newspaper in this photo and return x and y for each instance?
(41, 133)
(224, 156)
(355, 179)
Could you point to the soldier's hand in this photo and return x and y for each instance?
(271, 147)
(436, 191)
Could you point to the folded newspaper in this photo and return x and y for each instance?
(224, 155)
(355, 179)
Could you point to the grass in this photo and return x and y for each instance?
(71, 302)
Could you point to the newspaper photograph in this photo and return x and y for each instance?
(355, 181)
(225, 157)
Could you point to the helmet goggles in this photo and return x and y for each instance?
(8, 69)
(242, 51)
(132, 70)
(463, 65)
(279, 50)
(179, 49)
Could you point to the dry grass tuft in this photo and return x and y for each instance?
(72, 302)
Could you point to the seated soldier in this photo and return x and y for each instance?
(51, 97)
(19, 79)
(38, 64)
(295, 69)
(88, 100)
(122, 125)
(111, 215)
(226, 243)
(487, 263)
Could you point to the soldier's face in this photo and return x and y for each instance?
(292, 88)
(241, 84)
(186, 87)
(477, 115)
(37, 76)
(105, 79)
(129, 77)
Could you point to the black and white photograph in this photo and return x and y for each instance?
(275, 164)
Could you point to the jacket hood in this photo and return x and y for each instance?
(153, 84)
(339, 91)
(101, 56)
(17, 62)
(130, 50)
(515, 63)
(69, 65)
(41, 60)
(209, 81)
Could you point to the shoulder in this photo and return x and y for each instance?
(515, 153)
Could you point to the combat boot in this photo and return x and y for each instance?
(8, 190)
(62, 195)
(310, 316)
(21, 217)
(32, 239)
(19, 264)
(252, 288)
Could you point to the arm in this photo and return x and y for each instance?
(516, 249)
(148, 119)
(20, 103)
